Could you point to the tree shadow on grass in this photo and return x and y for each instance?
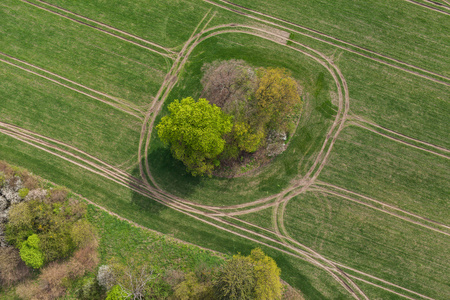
(170, 174)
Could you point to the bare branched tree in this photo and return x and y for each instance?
(134, 278)
(229, 85)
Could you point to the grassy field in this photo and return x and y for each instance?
(86, 73)
(362, 238)
(395, 28)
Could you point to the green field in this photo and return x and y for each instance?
(357, 206)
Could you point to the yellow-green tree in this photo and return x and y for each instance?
(277, 97)
(192, 289)
(236, 280)
(30, 252)
(246, 138)
(267, 275)
(194, 130)
(250, 277)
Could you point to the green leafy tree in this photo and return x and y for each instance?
(192, 289)
(252, 277)
(267, 274)
(194, 130)
(20, 224)
(116, 293)
(237, 280)
(246, 139)
(23, 192)
(277, 97)
(30, 252)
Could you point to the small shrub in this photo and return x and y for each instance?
(20, 224)
(3, 203)
(58, 195)
(192, 289)
(83, 260)
(57, 244)
(6, 169)
(236, 280)
(30, 253)
(174, 277)
(36, 194)
(29, 181)
(75, 209)
(15, 183)
(116, 293)
(23, 192)
(90, 290)
(28, 290)
(2, 179)
(82, 233)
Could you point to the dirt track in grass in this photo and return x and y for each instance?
(167, 52)
(311, 33)
(122, 107)
(215, 216)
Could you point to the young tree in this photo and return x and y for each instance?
(30, 252)
(194, 131)
(277, 97)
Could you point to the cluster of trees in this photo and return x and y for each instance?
(243, 277)
(243, 107)
(48, 228)
(44, 233)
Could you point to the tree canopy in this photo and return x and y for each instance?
(253, 112)
(277, 97)
(250, 277)
(194, 130)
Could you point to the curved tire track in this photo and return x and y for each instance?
(379, 55)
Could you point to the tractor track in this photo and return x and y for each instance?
(397, 135)
(115, 105)
(167, 55)
(144, 187)
(398, 140)
(407, 219)
(431, 7)
(328, 185)
(131, 106)
(323, 35)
